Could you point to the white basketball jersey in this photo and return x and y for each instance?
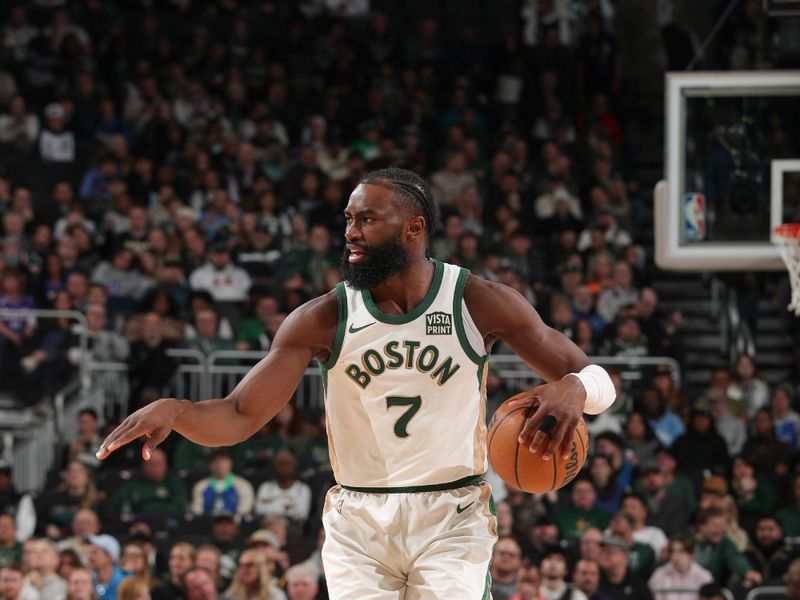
(405, 394)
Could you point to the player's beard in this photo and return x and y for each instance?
(381, 262)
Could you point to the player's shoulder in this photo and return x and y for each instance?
(479, 292)
(315, 319)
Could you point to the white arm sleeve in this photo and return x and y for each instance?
(600, 392)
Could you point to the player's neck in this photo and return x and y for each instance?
(408, 287)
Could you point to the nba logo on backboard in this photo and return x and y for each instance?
(694, 217)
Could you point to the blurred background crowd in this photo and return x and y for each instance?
(177, 171)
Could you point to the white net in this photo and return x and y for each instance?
(787, 238)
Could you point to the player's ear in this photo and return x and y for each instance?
(415, 227)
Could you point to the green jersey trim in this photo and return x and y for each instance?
(458, 316)
(437, 487)
(341, 299)
(383, 317)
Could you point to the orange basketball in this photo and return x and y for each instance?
(514, 462)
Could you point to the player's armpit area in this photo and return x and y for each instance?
(500, 312)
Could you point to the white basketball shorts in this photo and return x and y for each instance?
(417, 545)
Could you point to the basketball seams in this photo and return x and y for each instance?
(494, 430)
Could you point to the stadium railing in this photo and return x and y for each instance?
(687, 593)
(104, 387)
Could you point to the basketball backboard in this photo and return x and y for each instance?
(732, 169)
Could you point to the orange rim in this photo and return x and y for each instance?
(788, 231)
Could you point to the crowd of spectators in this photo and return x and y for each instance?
(177, 173)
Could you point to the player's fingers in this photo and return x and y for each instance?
(526, 400)
(544, 435)
(125, 434)
(109, 444)
(153, 440)
(566, 442)
(532, 420)
(556, 439)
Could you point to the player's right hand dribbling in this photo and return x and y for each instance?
(153, 421)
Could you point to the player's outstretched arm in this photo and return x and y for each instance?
(500, 312)
(307, 333)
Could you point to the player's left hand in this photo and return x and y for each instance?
(561, 400)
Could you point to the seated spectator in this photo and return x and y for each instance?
(10, 548)
(209, 558)
(715, 552)
(753, 496)
(682, 572)
(106, 574)
(134, 562)
(220, 277)
(80, 585)
(769, 553)
(19, 127)
(666, 424)
(641, 556)
(88, 441)
(286, 495)
(747, 386)
(84, 524)
(734, 531)
(617, 579)
(729, 426)
(663, 510)
(586, 577)
(12, 584)
(257, 332)
(676, 485)
(222, 490)
(181, 558)
(767, 455)
(787, 420)
(125, 282)
(207, 340)
(14, 330)
(701, 447)
(610, 444)
(225, 535)
(640, 439)
(103, 345)
(314, 262)
(253, 579)
(449, 183)
(58, 506)
(198, 584)
(155, 491)
(553, 572)
(581, 512)
(504, 568)
(56, 143)
(789, 515)
(149, 367)
(301, 582)
(589, 544)
(609, 491)
(629, 341)
(622, 293)
(42, 575)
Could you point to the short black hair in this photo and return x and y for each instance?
(409, 187)
(88, 411)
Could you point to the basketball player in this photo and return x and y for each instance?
(403, 346)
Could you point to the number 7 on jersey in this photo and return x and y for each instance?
(413, 403)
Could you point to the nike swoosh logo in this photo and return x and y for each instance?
(460, 510)
(353, 328)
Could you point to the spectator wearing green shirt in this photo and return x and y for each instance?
(715, 552)
(10, 548)
(207, 340)
(156, 491)
(789, 516)
(754, 498)
(641, 558)
(257, 332)
(581, 513)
